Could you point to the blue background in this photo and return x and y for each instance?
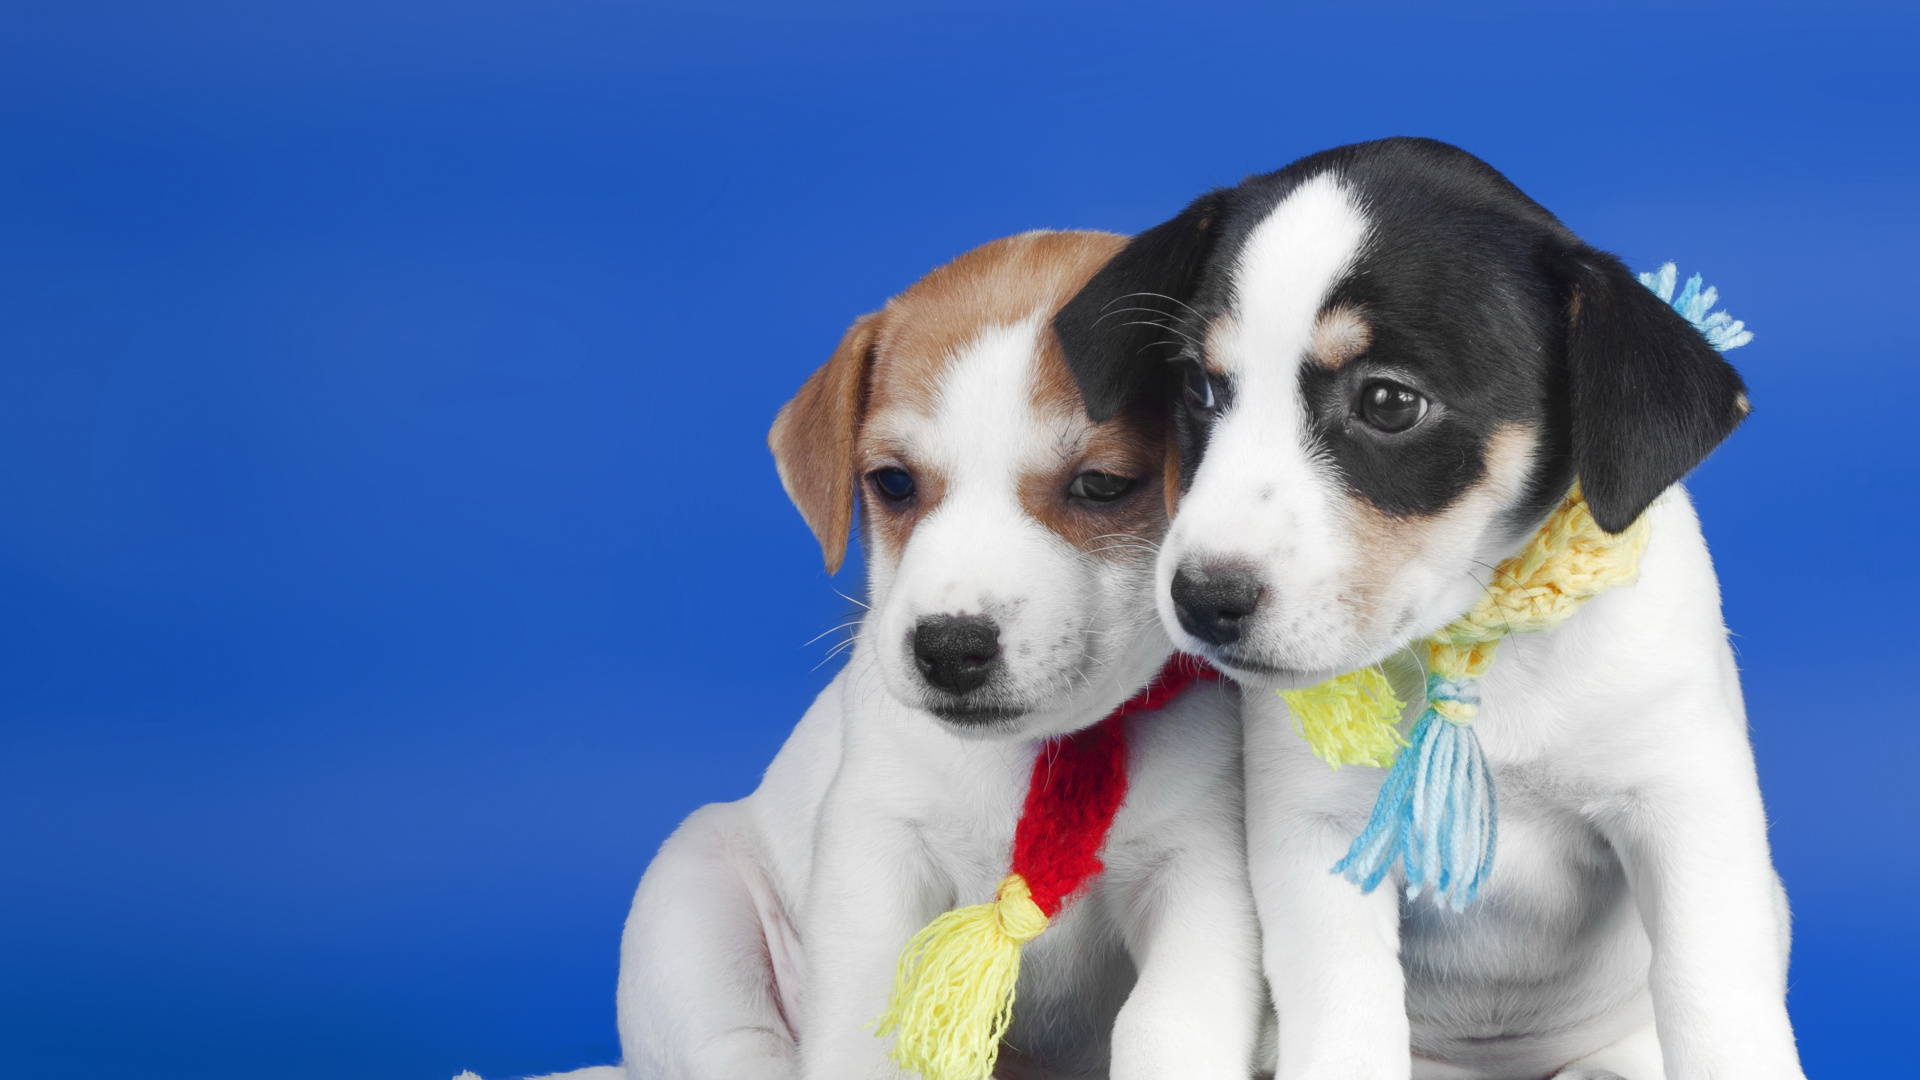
(389, 556)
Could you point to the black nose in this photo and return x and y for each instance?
(1212, 605)
(956, 653)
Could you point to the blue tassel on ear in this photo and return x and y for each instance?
(1695, 302)
(1435, 812)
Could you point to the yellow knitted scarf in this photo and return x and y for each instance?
(1352, 719)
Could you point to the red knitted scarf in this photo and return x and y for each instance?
(1079, 782)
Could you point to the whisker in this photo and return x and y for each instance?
(827, 631)
(1183, 352)
(1135, 544)
(1128, 536)
(1181, 334)
(1157, 296)
(1123, 311)
(835, 651)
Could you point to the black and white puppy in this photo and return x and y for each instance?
(1393, 365)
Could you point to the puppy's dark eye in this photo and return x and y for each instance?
(1100, 486)
(1200, 396)
(892, 484)
(1390, 407)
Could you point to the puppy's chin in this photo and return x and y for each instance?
(1009, 716)
(994, 711)
(985, 722)
(1003, 713)
(1264, 668)
(1251, 671)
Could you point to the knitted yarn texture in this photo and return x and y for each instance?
(1436, 810)
(953, 991)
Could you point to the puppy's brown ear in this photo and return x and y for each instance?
(813, 440)
(1648, 396)
(1121, 329)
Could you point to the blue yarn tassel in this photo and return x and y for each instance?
(1695, 303)
(1435, 812)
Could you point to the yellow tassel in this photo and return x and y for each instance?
(1349, 719)
(953, 993)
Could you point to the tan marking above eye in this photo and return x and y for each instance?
(1217, 342)
(1340, 333)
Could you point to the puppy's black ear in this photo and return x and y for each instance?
(814, 437)
(1647, 396)
(1117, 332)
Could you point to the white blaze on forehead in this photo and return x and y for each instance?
(1287, 267)
(1263, 496)
(984, 425)
(978, 551)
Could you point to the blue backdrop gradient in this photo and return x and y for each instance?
(389, 556)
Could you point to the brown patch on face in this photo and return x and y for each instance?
(929, 327)
(1130, 445)
(998, 284)
(1340, 333)
(1386, 544)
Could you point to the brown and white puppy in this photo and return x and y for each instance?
(1387, 365)
(1010, 551)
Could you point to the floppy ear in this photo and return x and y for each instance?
(1648, 397)
(813, 440)
(1116, 332)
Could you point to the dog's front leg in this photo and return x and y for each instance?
(1194, 1011)
(1331, 952)
(1693, 834)
(871, 890)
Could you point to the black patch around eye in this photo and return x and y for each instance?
(1200, 396)
(894, 485)
(1100, 486)
(1420, 468)
(1389, 407)
(1479, 356)
(1203, 396)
